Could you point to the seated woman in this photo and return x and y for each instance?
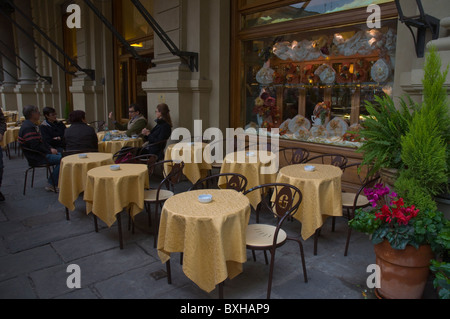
(52, 131)
(159, 133)
(136, 124)
(80, 136)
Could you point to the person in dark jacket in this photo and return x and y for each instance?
(137, 121)
(52, 130)
(30, 137)
(160, 132)
(2, 132)
(80, 136)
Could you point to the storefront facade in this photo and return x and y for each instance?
(307, 68)
(299, 53)
(198, 26)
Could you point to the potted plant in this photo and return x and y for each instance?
(405, 238)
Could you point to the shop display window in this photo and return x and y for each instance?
(313, 85)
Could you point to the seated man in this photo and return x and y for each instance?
(80, 136)
(136, 124)
(52, 130)
(30, 137)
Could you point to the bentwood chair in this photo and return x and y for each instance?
(49, 168)
(293, 155)
(287, 199)
(159, 195)
(99, 126)
(353, 201)
(234, 181)
(330, 159)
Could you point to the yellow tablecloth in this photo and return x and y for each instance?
(113, 147)
(11, 135)
(195, 167)
(252, 168)
(211, 236)
(108, 192)
(73, 174)
(321, 192)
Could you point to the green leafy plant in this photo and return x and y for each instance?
(424, 148)
(442, 278)
(383, 131)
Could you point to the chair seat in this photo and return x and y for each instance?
(260, 235)
(349, 198)
(150, 195)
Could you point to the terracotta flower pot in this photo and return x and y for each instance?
(404, 273)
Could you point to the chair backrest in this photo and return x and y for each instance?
(293, 155)
(284, 202)
(172, 175)
(234, 181)
(330, 159)
(370, 182)
(28, 153)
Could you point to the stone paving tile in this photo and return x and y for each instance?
(17, 288)
(91, 243)
(27, 261)
(51, 282)
(38, 236)
(85, 293)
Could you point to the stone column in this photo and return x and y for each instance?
(8, 98)
(25, 89)
(185, 92)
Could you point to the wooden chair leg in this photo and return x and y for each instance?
(25, 183)
(32, 178)
(254, 256)
(272, 264)
(67, 214)
(265, 257)
(349, 234)
(333, 224)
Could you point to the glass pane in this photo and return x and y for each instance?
(317, 79)
(304, 9)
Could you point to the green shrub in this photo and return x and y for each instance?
(383, 131)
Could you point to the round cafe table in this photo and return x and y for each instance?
(114, 146)
(108, 192)
(195, 166)
(211, 236)
(321, 192)
(251, 165)
(73, 173)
